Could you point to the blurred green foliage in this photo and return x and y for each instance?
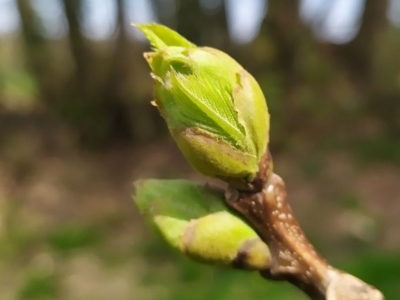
(72, 237)
(164, 274)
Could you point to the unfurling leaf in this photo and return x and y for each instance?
(214, 109)
(193, 219)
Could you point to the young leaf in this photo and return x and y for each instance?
(214, 109)
(161, 36)
(194, 220)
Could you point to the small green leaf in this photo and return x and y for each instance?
(161, 36)
(194, 220)
(180, 199)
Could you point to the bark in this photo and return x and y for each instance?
(265, 206)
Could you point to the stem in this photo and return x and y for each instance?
(294, 259)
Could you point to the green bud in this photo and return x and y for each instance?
(194, 220)
(223, 238)
(214, 109)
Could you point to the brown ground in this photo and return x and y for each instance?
(46, 183)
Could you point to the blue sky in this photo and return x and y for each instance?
(333, 20)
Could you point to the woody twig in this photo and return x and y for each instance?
(294, 259)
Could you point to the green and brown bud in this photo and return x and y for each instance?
(214, 109)
(194, 220)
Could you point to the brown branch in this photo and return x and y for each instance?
(294, 259)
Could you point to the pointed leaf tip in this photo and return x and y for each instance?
(161, 36)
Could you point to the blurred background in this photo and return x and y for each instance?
(77, 128)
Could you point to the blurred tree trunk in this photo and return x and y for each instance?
(82, 107)
(79, 50)
(189, 20)
(165, 11)
(36, 51)
(130, 118)
(114, 87)
(215, 27)
(358, 55)
(285, 33)
(96, 104)
(359, 58)
(283, 26)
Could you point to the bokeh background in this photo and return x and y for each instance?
(77, 128)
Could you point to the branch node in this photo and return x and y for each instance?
(293, 258)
